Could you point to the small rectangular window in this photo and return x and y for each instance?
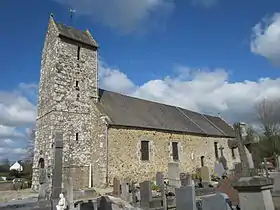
(77, 136)
(175, 153)
(78, 53)
(144, 150)
(216, 150)
(232, 153)
(77, 83)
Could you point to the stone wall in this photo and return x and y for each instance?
(67, 97)
(124, 152)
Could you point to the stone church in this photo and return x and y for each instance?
(107, 134)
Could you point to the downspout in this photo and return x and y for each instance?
(107, 152)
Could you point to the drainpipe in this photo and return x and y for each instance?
(107, 152)
(89, 180)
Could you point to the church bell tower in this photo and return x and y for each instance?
(68, 91)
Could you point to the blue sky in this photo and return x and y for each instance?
(197, 54)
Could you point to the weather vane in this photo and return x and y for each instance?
(72, 11)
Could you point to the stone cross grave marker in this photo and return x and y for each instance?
(214, 202)
(57, 172)
(185, 198)
(174, 174)
(243, 157)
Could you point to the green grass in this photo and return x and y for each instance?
(5, 174)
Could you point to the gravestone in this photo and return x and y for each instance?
(43, 184)
(185, 198)
(105, 203)
(145, 194)
(278, 163)
(57, 172)
(276, 178)
(219, 169)
(116, 187)
(69, 192)
(186, 179)
(125, 191)
(222, 159)
(160, 183)
(214, 202)
(205, 174)
(254, 193)
(174, 174)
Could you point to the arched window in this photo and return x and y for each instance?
(41, 163)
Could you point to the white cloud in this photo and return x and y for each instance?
(114, 79)
(9, 132)
(126, 15)
(202, 90)
(17, 110)
(266, 38)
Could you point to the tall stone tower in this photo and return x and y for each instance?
(68, 93)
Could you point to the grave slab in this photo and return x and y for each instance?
(214, 202)
(254, 193)
(185, 198)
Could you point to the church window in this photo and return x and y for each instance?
(233, 153)
(77, 85)
(144, 150)
(78, 53)
(202, 161)
(77, 137)
(216, 150)
(175, 152)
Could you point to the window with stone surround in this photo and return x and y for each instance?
(77, 85)
(175, 152)
(77, 137)
(145, 150)
(216, 150)
(233, 153)
(78, 53)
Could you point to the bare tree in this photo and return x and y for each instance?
(268, 112)
(31, 143)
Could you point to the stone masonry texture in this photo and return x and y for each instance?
(72, 110)
(125, 145)
(63, 107)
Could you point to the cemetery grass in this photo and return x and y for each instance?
(9, 195)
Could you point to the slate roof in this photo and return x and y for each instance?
(128, 111)
(75, 34)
